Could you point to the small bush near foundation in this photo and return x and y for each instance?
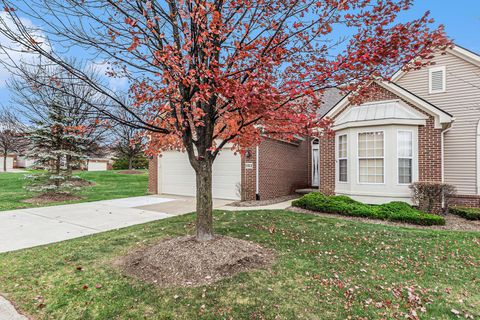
(428, 196)
(393, 211)
(467, 213)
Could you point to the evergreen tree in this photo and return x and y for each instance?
(57, 147)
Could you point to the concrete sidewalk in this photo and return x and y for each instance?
(8, 311)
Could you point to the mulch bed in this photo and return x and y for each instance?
(454, 223)
(82, 183)
(130, 172)
(49, 198)
(258, 203)
(186, 262)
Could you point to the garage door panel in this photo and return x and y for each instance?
(178, 177)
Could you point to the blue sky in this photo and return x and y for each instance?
(460, 17)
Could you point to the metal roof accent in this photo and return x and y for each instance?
(382, 112)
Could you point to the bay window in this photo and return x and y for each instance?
(371, 162)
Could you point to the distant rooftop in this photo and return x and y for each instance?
(330, 98)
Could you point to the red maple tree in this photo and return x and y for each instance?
(210, 74)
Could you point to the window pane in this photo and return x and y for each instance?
(405, 144)
(405, 170)
(342, 176)
(342, 146)
(371, 171)
(371, 149)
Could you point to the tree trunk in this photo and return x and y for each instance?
(5, 162)
(130, 163)
(204, 221)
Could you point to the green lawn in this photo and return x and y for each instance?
(108, 185)
(326, 269)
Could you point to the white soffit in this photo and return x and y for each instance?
(379, 113)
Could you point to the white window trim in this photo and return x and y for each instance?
(344, 158)
(359, 158)
(411, 158)
(444, 80)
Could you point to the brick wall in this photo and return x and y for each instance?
(430, 152)
(153, 175)
(283, 168)
(327, 165)
(465, 201)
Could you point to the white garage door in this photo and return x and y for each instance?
(97, 166)
(9, 163)
(178, 177)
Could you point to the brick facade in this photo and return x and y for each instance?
(249, 175)
(153, 175)
(283, 168)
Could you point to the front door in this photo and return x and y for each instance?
(315, 164)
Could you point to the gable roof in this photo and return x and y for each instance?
(456, 50)
(441, 117)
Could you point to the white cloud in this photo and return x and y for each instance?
(117, 83)
(13, 53)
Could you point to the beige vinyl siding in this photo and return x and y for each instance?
(462, 100)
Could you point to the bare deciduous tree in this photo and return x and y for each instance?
(12, 135)
(36, 87)
(127, 140)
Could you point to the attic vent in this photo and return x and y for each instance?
(437, 79)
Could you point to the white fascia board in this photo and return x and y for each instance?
(466, 55)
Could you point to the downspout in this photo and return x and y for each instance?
(478, 158)
(257, 171)
(442, 153)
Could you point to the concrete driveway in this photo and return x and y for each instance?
(25, 228)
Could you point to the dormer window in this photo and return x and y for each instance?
(437, 79)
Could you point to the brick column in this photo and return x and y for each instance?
(249, 175)
(430, 152)
(153, 175)
(327, 165)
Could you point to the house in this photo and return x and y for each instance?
(98, 164)
(10, 162)
(275, 168)
(423, 125)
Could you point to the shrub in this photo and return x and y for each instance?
(138, 163)
(393, 211)
(467, 213)
(429, 196)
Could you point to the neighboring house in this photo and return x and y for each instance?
(11, 158)
(424, 125)
(275, 168)
(25, 162)
(98, 164)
